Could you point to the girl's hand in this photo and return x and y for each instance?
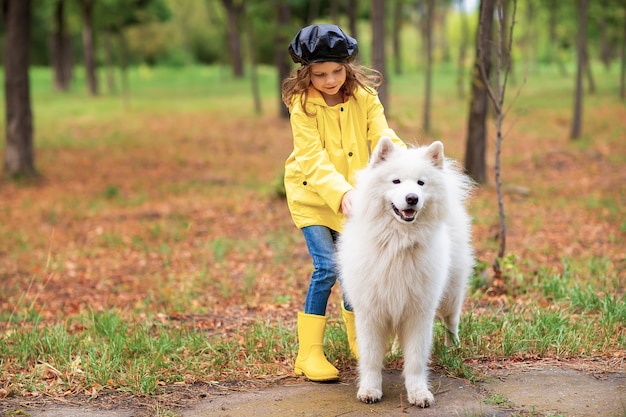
(346, 203)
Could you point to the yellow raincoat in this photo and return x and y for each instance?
(329, 148)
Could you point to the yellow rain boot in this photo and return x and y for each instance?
(348, 319)
(311, 361)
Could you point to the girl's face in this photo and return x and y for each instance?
(328, 77)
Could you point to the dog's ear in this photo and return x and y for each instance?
(383, 150)
(435, 153)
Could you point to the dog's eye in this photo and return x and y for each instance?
(396, 181)
(420, 182)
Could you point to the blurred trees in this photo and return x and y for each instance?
(177, 32)
(116, 34)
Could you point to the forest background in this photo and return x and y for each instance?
(152, 249)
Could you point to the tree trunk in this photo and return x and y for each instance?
(378, 46)
(281, 57)
(507, 58)
(578, 99)
(605, 48)
(397, 25)
(588, 72)
(553, 8)
(442, 37)
(123, 45)
(314, 11)
(334, 12)
(109, 61)
(254, 79)
(623, 71)
(89, 47)
(428, 32)
(234, 40)
(460, 79)
(19, 158)
(353, 9)
(61, 49)
(476, 145)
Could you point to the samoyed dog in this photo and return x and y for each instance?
(404, 257)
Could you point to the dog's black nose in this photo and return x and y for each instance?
(412, 199)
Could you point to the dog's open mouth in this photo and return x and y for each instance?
(408, 215)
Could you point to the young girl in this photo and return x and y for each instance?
(336, 120)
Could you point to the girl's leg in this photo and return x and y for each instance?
(311, 360)
(320, 241)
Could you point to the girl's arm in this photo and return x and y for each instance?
(313, 160)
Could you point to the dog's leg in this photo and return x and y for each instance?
(449, 312)
(451, 323)
(450, 309)
(416, 338)
(371, 337)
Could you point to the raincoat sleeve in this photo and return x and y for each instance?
(309, 152)
(377, 126)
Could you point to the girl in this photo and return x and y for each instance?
(336, 120)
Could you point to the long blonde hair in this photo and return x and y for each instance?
(357, 76)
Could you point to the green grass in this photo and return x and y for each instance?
(102, 350)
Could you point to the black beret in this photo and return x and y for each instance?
(321, 43)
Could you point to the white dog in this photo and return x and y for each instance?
(404, 256)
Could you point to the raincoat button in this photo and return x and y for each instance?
(341, 108)
(350, 154)
(303, 182)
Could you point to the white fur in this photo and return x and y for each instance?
(399, 273)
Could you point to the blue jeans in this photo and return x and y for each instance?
(320, 240)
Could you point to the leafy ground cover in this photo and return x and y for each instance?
(155, 250)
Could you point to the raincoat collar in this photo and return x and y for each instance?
(315, 97)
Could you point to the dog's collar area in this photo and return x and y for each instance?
(408, 215)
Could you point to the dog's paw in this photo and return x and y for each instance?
(452, 339)
(369, 395)
(422, 398)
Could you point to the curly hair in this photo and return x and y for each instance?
(357, 76)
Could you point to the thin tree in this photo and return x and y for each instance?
(19, 158)
(502, 70)
(460, 80)
(109, 59)
(314, 11)
(395, 36)
(623, 71)
(281, 57)
(553, 18)
(578, 98)
(334, 11)
(61, 49)
(254, 78)
(123, 55)
(353, 9)
(476, 144)
(378, 46)
(89, 45)
(234, 10)
(428, 39)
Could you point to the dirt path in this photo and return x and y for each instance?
(530, 389)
